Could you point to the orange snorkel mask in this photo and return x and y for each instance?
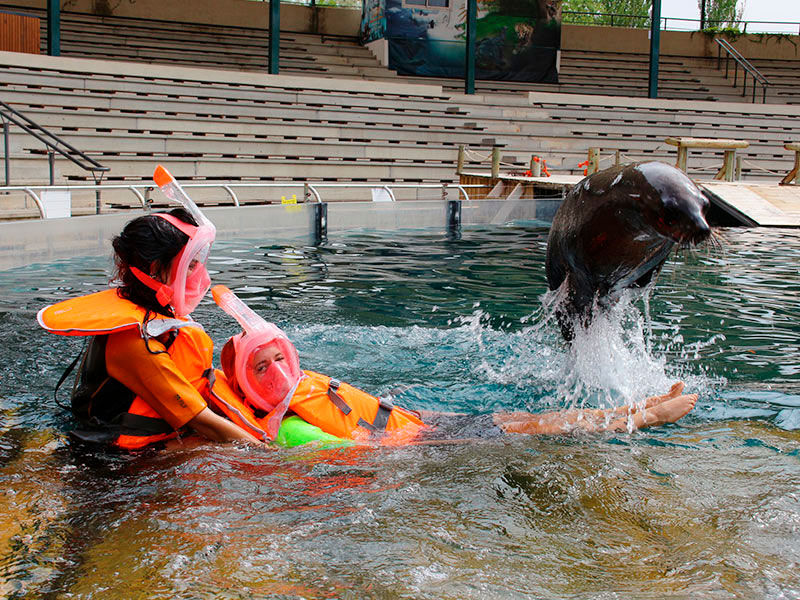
(188, 280)
(267, 366)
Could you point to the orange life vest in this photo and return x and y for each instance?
(348, 412)
(110, 412)
(227, 403)
(335, 407)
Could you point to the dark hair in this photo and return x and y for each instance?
(148, 243)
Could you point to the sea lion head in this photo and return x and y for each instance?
(676, 206)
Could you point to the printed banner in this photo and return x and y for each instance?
(516, 40)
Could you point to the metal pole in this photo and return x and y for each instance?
(702, 15)
(6, 158)
(320, 222)
(453, 216)
(54, 27)
(51, 158)
(655, 48)
(472, 26)
(274, 35)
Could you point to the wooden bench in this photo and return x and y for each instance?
(729, 164)
(794, 174)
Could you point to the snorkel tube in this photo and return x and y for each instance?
(268, 384)
(189, 280)
(173, 190)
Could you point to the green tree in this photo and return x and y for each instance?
(621, 13)
(722, 14)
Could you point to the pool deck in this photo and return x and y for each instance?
(764, 205)
(753, 204)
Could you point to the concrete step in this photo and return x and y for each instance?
(201, 109)
(99, 146)
(156, 91)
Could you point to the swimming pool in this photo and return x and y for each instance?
(707, 508)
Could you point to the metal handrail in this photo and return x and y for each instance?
(49, 139)
(611, 16)
(747, 68)
(607, 18)
(141, 191)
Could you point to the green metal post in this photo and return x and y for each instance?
(655, 47)
(274, 35)
(702, 15)
(54, 27)
(472, 26)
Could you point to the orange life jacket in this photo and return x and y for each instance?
(110, 413)
(348, 412)
(227, 403)
(335, 407)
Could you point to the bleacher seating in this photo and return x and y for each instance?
(211, 46)
(320, 121)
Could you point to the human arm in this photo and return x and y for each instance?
(153, 375)
(218, 429)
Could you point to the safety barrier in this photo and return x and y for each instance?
(311, 194)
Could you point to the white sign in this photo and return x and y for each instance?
(57, 203)
(381, 195)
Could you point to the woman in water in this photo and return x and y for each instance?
(262, 370)
(142, 377)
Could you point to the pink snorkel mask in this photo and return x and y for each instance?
(267, 366)
(189, 280)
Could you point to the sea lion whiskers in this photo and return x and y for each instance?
(714, 238)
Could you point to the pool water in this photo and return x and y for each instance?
(706, 508)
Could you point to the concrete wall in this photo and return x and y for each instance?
(239, 13)
(681, 43)
(43, 241)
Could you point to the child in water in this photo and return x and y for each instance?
(261, 367)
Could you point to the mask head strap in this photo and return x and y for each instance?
(182, 226)
(163, 291)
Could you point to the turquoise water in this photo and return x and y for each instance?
(706, 508)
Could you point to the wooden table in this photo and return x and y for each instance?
(794, 174)
(730, 146)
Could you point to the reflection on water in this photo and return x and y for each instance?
(707, 509)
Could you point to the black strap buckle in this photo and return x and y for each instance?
(337, 400)
(385, 409)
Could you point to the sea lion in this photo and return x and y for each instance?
(615, 229)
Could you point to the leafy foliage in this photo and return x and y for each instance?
(723, 14)
(620, 13)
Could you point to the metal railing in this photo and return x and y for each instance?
(311, 191)
(747, 69)
(578, 17)
(53, 143)
(356, 4)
